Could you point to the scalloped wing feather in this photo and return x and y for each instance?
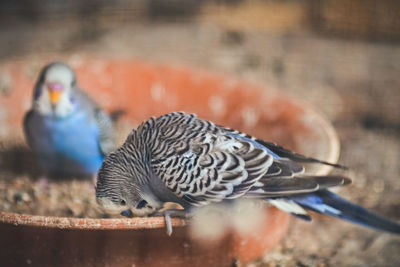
(201, 164)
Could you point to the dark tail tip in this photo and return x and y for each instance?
(335, 165)
(312, 160)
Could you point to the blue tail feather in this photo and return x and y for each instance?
(333, 205)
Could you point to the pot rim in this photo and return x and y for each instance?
(87, 223)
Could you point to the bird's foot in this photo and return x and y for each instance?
(172, 213)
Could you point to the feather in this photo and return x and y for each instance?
(331, 204)
(272, 187)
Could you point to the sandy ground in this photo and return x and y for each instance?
(355, 84)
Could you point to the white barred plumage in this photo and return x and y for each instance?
(193, 162)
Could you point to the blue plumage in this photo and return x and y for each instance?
(69, 145)
(331, 204)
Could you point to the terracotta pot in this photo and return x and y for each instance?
(145, 90)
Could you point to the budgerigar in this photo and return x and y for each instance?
(193, 162)
(67, 131)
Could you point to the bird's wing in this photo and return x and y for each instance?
(285, 175)
(279, 151)
(283, 187)
(102, 120)
(201, 164)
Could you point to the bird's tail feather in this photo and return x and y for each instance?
(285, 153)
(328, 203)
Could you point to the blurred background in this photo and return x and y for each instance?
(341, 56)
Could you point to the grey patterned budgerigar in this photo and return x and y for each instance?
(193, 162)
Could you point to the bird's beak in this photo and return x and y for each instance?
(55, 90)
(54, 97)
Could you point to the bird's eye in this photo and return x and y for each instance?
(122, 202)
(141, 204)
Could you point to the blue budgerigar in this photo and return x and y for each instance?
(67, 131)
(193, 162)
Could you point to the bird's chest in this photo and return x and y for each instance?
(74, 138)
(73, 131)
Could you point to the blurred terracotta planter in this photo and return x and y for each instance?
(145, 90)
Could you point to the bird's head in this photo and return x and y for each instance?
(53, 91)
(121, 188)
